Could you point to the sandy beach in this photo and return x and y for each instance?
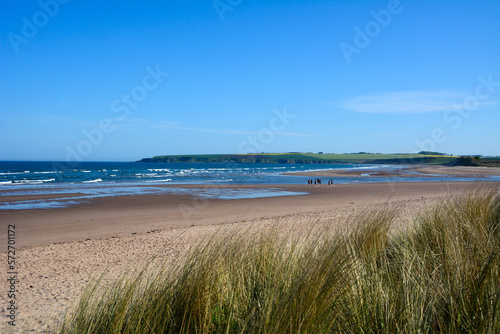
(410, 171)
(59, 251)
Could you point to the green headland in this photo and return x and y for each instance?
(433, 158)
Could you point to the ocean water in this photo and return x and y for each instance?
(104, 179)
(20, 174)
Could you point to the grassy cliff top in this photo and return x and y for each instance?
(306, 158)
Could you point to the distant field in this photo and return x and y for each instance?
(307, 158)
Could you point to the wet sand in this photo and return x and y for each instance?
(125, 215)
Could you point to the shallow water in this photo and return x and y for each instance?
(106, 179)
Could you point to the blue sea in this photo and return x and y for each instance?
(104, 179)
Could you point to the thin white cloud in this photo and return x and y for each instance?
(407, 102)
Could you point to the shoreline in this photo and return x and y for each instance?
(63, 194)
(409, 171)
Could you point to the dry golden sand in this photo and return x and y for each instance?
(54, 272)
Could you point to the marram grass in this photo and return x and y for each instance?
(441, 274)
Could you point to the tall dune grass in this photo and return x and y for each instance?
(441, 274)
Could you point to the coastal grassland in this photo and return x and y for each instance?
(439, 273)
(306, 158)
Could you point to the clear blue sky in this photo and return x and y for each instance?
(122, 80)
